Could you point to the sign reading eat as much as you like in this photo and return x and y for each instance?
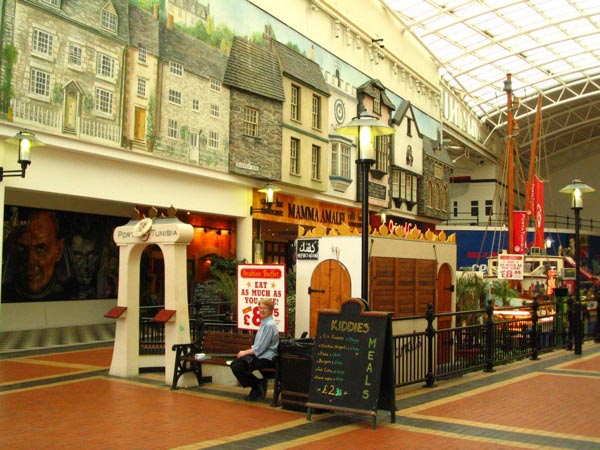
(254, 283)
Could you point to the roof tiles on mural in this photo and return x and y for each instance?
(301, 68)
(254, 69)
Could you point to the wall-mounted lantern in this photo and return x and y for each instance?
(25, 140)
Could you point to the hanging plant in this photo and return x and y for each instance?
(57, 95)
(150, 136)
(88, 104)
(9, 55)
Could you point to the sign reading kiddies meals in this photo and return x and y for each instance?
(255, 282)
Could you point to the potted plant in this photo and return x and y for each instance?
(502, 290)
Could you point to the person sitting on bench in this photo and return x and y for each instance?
(260, 356)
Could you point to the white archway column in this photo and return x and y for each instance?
(172, 236)
(244, 239)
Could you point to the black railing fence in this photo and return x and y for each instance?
(498, 336)
(494, 337)
(497, 220)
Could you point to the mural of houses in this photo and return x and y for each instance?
(305, 149)
(256, 111)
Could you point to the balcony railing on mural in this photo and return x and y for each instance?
(110, 134)
(32, 113)
(497, 220)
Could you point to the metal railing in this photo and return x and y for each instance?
(498, 220)
(498, 338)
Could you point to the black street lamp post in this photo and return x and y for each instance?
(365, 128)
(576, 189)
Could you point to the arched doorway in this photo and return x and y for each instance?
(330, 285)
(444, 304)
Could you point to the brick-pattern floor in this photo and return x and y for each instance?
(68, 400)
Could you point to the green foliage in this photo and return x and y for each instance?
(470, 291)
(290, 302)
(9, 56)
(88, 104)
(502, 290)
(150, 134)
(57, 95)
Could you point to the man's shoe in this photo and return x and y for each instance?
(253, 395)
(262, 388)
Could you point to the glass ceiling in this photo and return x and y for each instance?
(549, 46)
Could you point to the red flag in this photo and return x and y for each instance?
(539, 211)
(519, 232)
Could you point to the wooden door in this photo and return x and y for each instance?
(139, 127)
(444, 304)
(70, 110)
(330, 285)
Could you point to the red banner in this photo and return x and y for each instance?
(519, 232)
(539, 211)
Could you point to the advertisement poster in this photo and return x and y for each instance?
(510, 267)
(255, 282)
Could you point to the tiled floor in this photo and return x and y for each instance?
(27, 340)
(67, 400)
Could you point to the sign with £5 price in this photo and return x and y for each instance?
(254, 283)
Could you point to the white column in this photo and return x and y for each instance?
(244, 239)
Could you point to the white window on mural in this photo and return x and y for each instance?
(195, 104)
(39, 83)
(172, 129)
(43, 42)
(175, 68)
(316, 163)
(395, 183)
(141, 87)
(104, 101)
(316, 112)
(250, 121)
(295, 103)
(175, 96)
(215, 111)
(75, 54)
(213, 140)
(382, 151)
(295, 156)
(215, 85)
(52, 2)
(377, 102)
(142, 54)
(340, 160)
(105, 65)
(109, 20)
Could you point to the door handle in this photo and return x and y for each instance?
(317, 291)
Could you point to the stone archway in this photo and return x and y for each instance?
(172, 237)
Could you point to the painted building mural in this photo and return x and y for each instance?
(57, 255)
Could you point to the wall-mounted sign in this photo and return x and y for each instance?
(247, 166)
(510, 267)
(307, 249)
(254, 283)
(377, 190)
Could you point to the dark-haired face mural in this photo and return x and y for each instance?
(55, 255)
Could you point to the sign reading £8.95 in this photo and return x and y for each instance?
(254, 283)
(510, 267)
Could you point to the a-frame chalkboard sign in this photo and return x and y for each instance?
(353, 362)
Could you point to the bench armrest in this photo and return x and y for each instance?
(185, 350)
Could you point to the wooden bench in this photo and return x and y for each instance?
(219, 347)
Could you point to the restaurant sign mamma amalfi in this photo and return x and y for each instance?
(307, 212)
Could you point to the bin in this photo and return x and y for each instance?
(295, 359)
